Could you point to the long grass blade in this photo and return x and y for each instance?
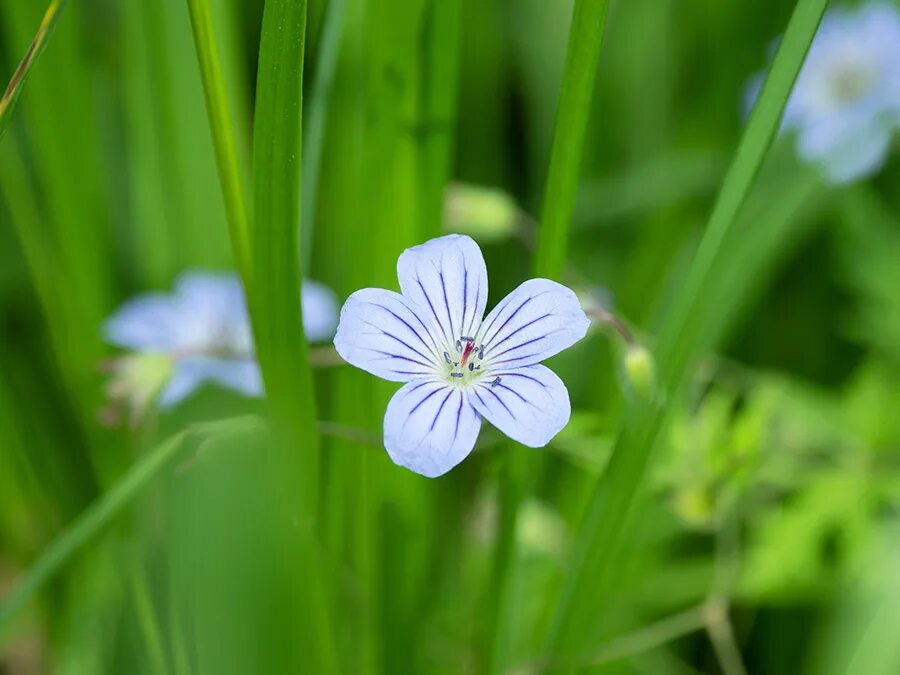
(317, 116)
(598, 554)
(17, 81)
(586, 33)
(223, 134)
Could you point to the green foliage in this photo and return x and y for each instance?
(725, 495)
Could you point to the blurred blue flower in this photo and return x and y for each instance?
(845, 105)
(457, 367)
(204, 330)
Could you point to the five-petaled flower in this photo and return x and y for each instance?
(460, 368)
(203, 331)
(845, 104)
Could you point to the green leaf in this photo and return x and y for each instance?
(275, 291)
(588, 19)
(223, 134)
(600, 553)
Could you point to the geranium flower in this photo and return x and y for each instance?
(457, 367)
(203, 331)
(845, 104)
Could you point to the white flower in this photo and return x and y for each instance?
(204, 328)
(457, 367)
(845, 105)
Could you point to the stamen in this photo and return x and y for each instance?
(496, 381)
(447, 358)
(456, 374)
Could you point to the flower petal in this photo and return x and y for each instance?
(855, 154)
(430, 427)
(530, 405)
(447, 278)
(537, 320)
(149, 322)
(241, 375)
(213, 312)
(382, 332)
(320, 311)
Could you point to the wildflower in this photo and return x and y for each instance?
(199, 333)
(457, 367)
(845, 104)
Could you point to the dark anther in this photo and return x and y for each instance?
(467, 339)
(456, 374)
(471, 366)
(481, 353)
(496, 381)
(447, 357)
(458, 346)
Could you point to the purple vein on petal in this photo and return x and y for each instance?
(515, 332)
(414, 331)
(430, 359)
(440, 408)
(458, 415)
(500, 400)
(431, 306)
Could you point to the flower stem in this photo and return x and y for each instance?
(17, 81)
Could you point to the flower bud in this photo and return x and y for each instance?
(484, 213)
(640, 370)
(135, 381)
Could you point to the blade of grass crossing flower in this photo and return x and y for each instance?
(585, 35)
(223, 134)
(677, 344)
(597, 556)
(276, 314)
(17, 81)
(275, 294)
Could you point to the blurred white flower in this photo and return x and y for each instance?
(460, 368)
(203, 330)
(845, 105)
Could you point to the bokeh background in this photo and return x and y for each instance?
(766, 538)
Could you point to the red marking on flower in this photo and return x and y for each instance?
(470, 345)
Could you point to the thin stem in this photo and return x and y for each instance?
(223, 136)
(17, 81)
(639, 641)
(721, 635)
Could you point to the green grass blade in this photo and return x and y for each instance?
(17, 81)
(586, 33)
(598, 553)
(86, 527)
(276, 314)
(222, 133)
(317, 115)
(275, 295)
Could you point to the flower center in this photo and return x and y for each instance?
(849, 81)
(464, 365)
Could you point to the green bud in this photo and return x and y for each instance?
(135, 381)
(640, 370)
(484, 213)
(694, 506)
